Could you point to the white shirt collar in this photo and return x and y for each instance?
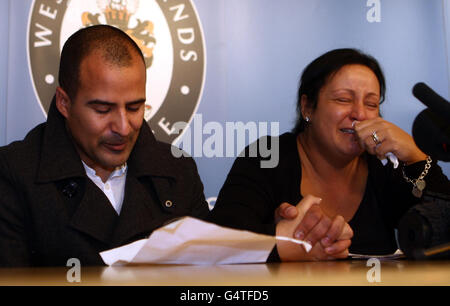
(118, 171)
(114, 187)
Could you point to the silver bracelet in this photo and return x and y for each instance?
(419, 184)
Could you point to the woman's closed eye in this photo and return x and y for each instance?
(343, 99)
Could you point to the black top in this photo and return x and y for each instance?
(251, 194)
(374, 234)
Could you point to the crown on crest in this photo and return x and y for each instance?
(118, 12)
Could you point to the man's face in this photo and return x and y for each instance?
(106, 115)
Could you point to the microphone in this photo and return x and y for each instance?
(424, 231)
(431, 128)
(430, 98)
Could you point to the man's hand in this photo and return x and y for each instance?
(308, 222)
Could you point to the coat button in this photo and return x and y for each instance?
(168, 203)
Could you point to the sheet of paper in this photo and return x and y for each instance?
(192, 241)
(397, 255)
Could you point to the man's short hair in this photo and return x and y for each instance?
(115, 46)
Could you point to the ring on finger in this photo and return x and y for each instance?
(375, 137)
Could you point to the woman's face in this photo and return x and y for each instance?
(351, 94)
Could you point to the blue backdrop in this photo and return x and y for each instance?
(255, 52)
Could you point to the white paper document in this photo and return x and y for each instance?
(191, 241)
(397, 255)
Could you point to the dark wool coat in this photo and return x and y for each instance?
(51, 211)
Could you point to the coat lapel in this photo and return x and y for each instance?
(95, 215)
(59, 159)
(139, 216)
(60, 162)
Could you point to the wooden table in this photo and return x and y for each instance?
(347, 272)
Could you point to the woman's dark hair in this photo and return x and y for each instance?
(317, 73)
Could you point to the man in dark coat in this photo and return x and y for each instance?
(93, 177)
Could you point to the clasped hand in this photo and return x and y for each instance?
(330, 238)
